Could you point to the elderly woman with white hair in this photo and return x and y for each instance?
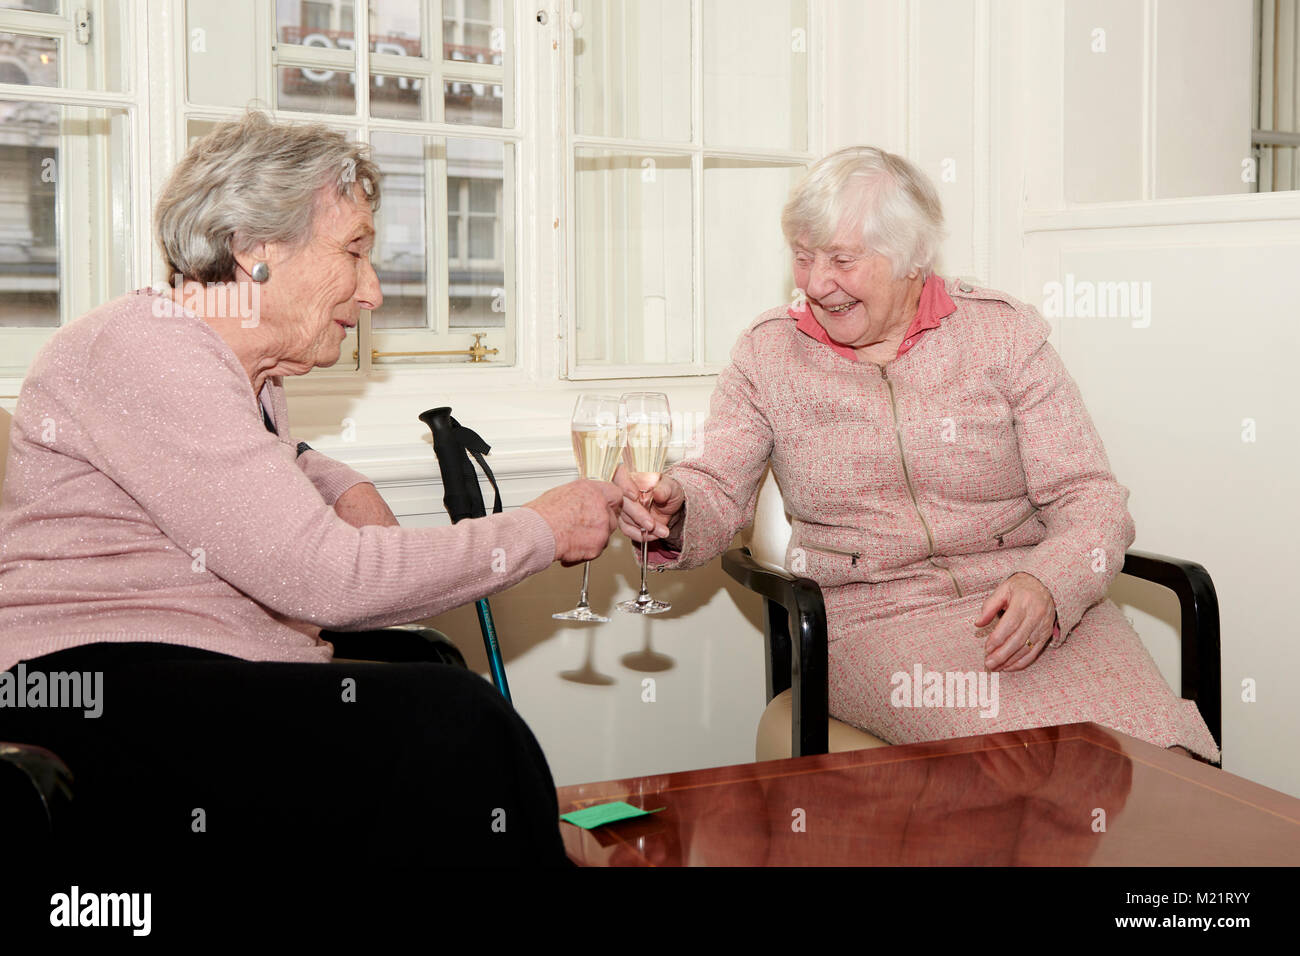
(946, 486)
(161, 526)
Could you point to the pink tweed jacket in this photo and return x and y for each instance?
(915, 488)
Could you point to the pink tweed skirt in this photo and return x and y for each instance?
(906, 662)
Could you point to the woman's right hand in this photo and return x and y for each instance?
(582, 515)
(649, 524)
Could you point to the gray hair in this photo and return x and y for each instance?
(885, 198)
(253, 180)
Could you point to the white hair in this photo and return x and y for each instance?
(887, 200)
(253, 180)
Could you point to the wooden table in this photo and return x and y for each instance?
(1077, 795)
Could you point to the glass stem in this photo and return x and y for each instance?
(644, 596)
(582, 601)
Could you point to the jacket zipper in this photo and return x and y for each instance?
(907, 479)
(854, 555)
(1002, 534)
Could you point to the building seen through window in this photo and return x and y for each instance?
(29, 261)
(474, 169)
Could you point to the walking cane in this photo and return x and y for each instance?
(453, 443)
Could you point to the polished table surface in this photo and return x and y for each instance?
(1075, 795)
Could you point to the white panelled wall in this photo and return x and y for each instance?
(1053, 160)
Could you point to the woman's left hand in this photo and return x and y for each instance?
(1027, 613)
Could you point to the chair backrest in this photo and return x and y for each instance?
(771, 530)
(5, 421)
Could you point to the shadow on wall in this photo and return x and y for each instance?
(523, 614)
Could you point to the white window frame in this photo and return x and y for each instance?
(524, 406)
(432, 71)
(79, 293)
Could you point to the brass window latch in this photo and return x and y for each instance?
(477, 352)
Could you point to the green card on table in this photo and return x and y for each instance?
(602, 813)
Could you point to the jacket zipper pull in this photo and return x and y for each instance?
(854, 556)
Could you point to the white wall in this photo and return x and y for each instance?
(1176, 393)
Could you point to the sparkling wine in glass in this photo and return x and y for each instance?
(598, 437)
(649, 428)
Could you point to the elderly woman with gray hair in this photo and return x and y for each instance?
(161, 525)
(946, 486)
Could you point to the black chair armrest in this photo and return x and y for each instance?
(1201, 664)
(801, 663)
(396, 645)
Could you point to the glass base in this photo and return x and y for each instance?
(581, 614)
(644, 607)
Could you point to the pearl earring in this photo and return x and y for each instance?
(261, 272)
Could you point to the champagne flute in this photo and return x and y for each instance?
(597, 441)
(649, 426)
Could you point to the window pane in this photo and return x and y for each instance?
(476, 35)
(401, 225)
(632, 69)
(634, 279)
(317, 24)
(28, 60)
(483, 195)
(479, 290)
(29, 257)
(223, 62)
(453, 237)
(315, 91)
(396, 31)
(36, 6)
(395, 27)
(396, 97)
(315, 15)
(756, 74)
(54, 160)
(749, 265)
(296, 20)
(476, 104)
(482, 241)
(197, 128)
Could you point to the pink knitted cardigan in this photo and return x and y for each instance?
(145, 500)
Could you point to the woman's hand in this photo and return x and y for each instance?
(582, 515)
(649, 524)
(1027, 613)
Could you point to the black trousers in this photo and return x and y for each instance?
(200, 759)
